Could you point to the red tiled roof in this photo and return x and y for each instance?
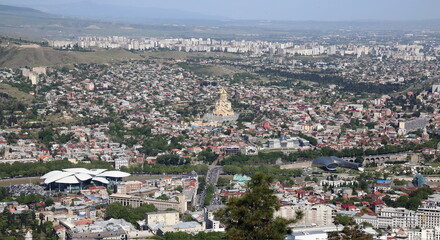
(349, 206)
(378, 202)
(83, 222)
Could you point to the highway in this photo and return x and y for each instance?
(211, 178)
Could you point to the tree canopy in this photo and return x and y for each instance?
(252, 215)
(187, 236)
(128, 213)
(411, 202)
(351, 230)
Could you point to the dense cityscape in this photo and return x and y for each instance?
(316, 135)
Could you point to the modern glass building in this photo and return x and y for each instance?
(419, 180)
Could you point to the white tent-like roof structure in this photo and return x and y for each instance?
(101, 179)
(116, 174)
(77, 175)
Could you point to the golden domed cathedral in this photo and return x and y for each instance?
(222, 112)
(223, 106)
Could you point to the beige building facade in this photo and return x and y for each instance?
(161, 205)
(166, 217)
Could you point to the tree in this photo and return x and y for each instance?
(343, 220)
(400, 182)
(46, 136)
(207, 156)
(187, 236)
(401, 201)
(413, 203)
(48, 202)
(177, 235)
(209, 193)
(312, 140)
(179, 188)
(169, 159)
(186, 217)
(163, 197)
(129, 214)
(351, 230)
(222, 181)
(359, 159)
(252, 215)
(388, 201)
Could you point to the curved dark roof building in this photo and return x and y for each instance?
(330, 163)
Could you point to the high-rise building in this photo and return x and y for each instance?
(319, 214)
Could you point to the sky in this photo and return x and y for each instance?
(296, 10)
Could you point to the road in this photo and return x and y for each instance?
(216, 201)
(216, 161)
(211, 178)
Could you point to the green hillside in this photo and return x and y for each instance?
(20, 56)
(15, 94)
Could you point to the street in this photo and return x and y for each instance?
(211, 178)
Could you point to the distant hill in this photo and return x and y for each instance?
(111, 12)
(21, 21)
(9, 14)
(13, 9)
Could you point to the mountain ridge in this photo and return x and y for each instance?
(24, 21)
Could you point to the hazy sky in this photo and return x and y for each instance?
(333, 10)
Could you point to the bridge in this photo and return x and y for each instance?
(381, 159)
(378, 159)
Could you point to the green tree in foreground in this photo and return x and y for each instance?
(351, 230)
(252, 215)
(187, 236)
